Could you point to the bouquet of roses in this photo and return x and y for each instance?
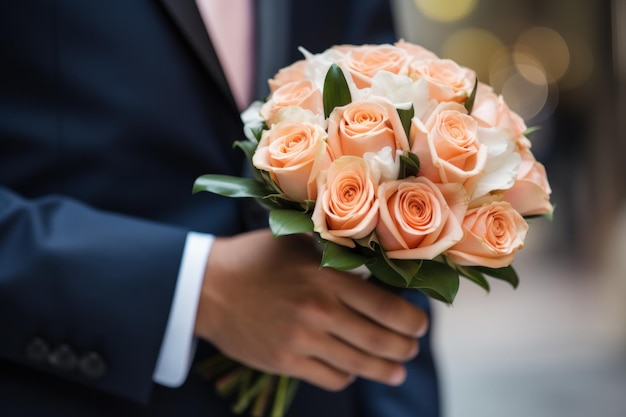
(395, 160)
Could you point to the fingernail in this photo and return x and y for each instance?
(421, 332)
(398, 376)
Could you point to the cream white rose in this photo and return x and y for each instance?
(502, 163)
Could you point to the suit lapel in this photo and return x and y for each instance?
(272, 40)
(187, 18)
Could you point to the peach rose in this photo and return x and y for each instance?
(418, 218)
(365, 61)
(366, 126)
(297, 93)
(294, 72)
(492, 235)
(293, 154)
(530, 195)
(491, 111)
(448, 147)
(347, 207)
(416, 52)
(447, 81)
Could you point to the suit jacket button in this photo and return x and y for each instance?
(37, 350)
(92, 365)
(63, 358)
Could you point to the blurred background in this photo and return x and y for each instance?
(556, 346)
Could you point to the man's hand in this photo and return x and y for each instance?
(266, 303)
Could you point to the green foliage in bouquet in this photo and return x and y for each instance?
(437, 278)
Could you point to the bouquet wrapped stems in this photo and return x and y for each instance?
(252, 390)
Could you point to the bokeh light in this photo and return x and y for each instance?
(445, 10)
(524, 83)
(501, 67)
(525, 97)
(529, 65)
(473, 48)
(548, 46)
(581, 62)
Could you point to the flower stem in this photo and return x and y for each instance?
(249, 393)
(228, 383)
(215, 365)
(284, 395)
(260, 404)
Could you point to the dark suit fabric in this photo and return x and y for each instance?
(108, 112)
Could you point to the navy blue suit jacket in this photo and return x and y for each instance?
(108, 112)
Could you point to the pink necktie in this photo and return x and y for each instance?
(230, 25)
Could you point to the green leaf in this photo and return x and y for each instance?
(407, 269)
(405, 118)
(396, 272)
(258, 132)
(341, 257)
(437, 278)
(474, 276)
(279, 201)
(230, 186)
(336, 91)
(434, 295)
(276, 202)
(267, 179)
(409, 165)
(549, 216)
(289, 222)
(247, 146)
(531, 130)
(385, 272)
(469, 103)
(507, 274)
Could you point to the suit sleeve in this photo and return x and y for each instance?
(85, 294)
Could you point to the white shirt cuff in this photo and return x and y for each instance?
(179, 344)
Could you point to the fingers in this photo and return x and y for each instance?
(321, 326)
(369, 337)
(352, 361)
(318, 373)
(332, 364)
(384, 308)
(351, 342)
